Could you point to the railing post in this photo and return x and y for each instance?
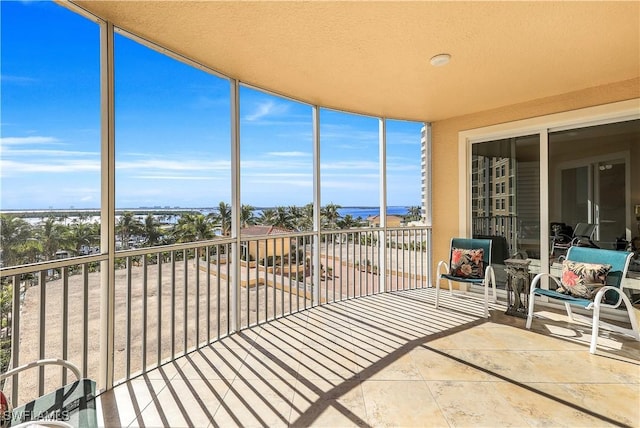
(15, 336)
(64, 273)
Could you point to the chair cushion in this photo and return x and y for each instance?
(467, 263)
(478, 281)
(582, 280)
(564, 297)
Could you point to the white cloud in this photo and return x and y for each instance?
(275, 182)
(264, 109)
(289, 154)
(173, 165)
(403, 167)
(10, 167)
(278, 174)
(28, 140)
(41, 153)
(173, 177)
(370, 185)
(350, 165)
(404, 138)
(290, 164)
(342, 132)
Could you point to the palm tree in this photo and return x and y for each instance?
(267, 216)
(414, 213)
(79, 233)
(348, 221)
(223, 218)
(52, 236)
(30, 250)
(204, 227)
(13, 232)
(330, 215)
(63, 218)
(247, 217)
(305, 219)
(128, 225)
(279, 216)
(152, 231)
(299, 220)
(282, 218)
(194, 227)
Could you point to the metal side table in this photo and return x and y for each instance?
(518, 283)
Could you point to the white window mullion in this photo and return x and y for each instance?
(545, 231)
(234, 315)
(382, 238)
(107, 206)
(316, 205)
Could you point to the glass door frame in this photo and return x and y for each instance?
(541, 125)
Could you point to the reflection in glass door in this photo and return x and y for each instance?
(610, 203)
(590, 179)
(575, 196)
(505, 192)
(595, 193)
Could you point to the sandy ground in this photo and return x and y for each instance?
(200, 298)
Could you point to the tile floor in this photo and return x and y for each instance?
(392, 360)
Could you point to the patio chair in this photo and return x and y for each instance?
(591, 279)
(70, 406)
(582, 236)
(470, 263)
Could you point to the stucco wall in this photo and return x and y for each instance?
(445, 146)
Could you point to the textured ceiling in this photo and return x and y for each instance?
(373, 57)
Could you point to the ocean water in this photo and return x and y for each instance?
(355, 212)
(36, 217)
(365, 212)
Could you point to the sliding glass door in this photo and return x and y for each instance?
(593, 182)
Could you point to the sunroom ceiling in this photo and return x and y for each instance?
(373, 57)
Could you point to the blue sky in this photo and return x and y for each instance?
(172, 129)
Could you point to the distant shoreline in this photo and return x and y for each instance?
(39, 212)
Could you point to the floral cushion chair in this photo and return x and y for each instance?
(591, 279)
(470, 263)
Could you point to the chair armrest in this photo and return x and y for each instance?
(442, 263)
(44, 362)
(597, 300)
(562, 238)
(536, 281)
(490, 274)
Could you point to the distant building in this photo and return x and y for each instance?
(261, 248)
(392, 221)
(425, 165)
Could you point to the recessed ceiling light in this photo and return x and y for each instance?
(440, 59)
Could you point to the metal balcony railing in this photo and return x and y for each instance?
(171, 300)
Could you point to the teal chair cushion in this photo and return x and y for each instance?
(618, 260)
